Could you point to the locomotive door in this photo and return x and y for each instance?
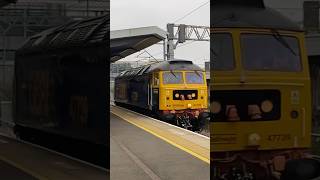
(155, 92)
(150, 92)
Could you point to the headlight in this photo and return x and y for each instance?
(177, 95)
(189, 96)
(254, 112)
(193, 95)
(254, 139)
(266, 106)
(215, 107)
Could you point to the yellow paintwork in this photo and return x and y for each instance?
(236, 134)
(166, 90)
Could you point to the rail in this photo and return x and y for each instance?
(315, 134)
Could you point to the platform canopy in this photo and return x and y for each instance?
(128, 41)
(6, 2)
(91, 32)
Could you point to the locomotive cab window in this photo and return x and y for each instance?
(172, 77)
(222, 52)
(194, 77)
(270, 52)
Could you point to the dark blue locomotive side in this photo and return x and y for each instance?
(132, 90)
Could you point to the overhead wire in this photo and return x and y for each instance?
(192, 11)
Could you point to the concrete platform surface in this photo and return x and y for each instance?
(148, 151)
(24, 161)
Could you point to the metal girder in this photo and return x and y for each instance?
(180, 33)
(183, 32)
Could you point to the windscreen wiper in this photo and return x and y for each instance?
(173, 74)
(197, 73)
(282, 41)
(213, 52)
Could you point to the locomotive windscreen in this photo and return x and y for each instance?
(222, 52)
(270, 52)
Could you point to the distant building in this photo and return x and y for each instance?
(28, 17)
(119, 67)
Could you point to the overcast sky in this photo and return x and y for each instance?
(139, 13)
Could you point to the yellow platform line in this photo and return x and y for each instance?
(145, 128)
(26, 170)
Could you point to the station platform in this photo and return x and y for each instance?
(146, 148)
(23, 161)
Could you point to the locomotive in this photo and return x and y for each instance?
(175, 91)
(260, 99)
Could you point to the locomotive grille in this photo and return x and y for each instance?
(185, 93)
(242, 99)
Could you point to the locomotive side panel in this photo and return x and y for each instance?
(138, 92)
(121, 90)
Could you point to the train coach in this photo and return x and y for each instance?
(174, 90)
(60, 92)
(260, 98)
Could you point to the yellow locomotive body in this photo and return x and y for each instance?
(260, 99)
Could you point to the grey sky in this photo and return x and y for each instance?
(139, 13)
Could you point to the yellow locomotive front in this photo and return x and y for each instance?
(263, 91)
(183, 96)
(260, 95)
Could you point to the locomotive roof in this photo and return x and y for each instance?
(250, 15)
(176, 64)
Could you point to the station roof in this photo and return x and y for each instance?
(233, 13)
(6, 2)
(77, 33)
(128, 41)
